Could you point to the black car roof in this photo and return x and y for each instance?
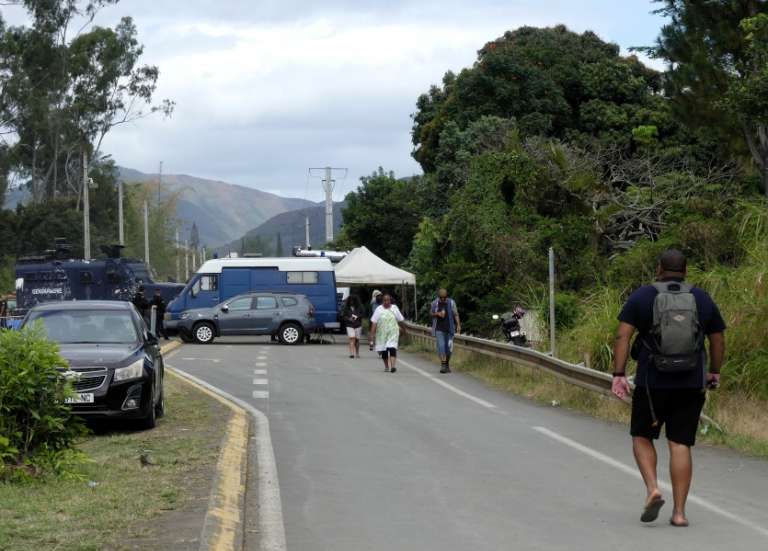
(83, 305)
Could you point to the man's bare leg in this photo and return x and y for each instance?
(681, 471)
(645, 456)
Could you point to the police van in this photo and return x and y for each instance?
(55, 276)
(223, 278)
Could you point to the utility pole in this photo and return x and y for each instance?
(186, 260)
(552, 337)
(328, 185)
(306, 233)
(146, 232)
(120, 221)
(178, 259)
(159, 181)
(86, 210)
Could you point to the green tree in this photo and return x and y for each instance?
(64, 91)
(717, 73)
(383, 214)
(552, 82)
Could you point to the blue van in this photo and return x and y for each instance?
(220, 279)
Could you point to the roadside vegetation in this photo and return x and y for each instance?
(37, 429)
(554, 139)
(127, 483)
(55, 110)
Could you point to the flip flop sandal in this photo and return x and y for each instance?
(651, 511)
(393, 370)
(679, 524)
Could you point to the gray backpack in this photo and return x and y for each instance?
(676, 334)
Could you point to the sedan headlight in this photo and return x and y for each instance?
(133, 371)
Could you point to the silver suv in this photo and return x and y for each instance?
(288, 317)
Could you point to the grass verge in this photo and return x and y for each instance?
(741, 418)
(113, 496)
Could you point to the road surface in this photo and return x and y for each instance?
(419, 461)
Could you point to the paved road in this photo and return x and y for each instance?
(418, 461)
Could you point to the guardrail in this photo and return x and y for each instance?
(584, 377)
(578, 375)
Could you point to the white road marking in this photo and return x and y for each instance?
(271, 524)
(450, 387)
(214, 360)
(259, 371)
(261, 394)
(262, 358)
(623, 467)
(261, 381)
(261, 364)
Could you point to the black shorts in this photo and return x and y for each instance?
(676, 408)
(388, 352)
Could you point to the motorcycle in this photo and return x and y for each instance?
(511, 328)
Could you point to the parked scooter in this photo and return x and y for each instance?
(511, 328)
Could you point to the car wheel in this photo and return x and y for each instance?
(160, 407)
(291, 333)
(203, 333)
(150, 421)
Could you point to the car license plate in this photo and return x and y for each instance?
(80, 398)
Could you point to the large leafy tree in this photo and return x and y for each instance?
(552, 82)
(718, 70)
(66, 84)
(383, 214)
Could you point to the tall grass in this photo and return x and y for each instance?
(741, 293)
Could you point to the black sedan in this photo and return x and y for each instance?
(114, 362)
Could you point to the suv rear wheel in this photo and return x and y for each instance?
(291, 333)
(203, 333)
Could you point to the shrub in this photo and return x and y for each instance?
(37, 429)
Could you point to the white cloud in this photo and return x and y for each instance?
(266, 89)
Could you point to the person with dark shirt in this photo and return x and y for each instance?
(142, 304)
(445, 324)
(352, 314)
(666, 397)
(158, 302)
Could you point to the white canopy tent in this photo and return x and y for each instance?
(363, 268)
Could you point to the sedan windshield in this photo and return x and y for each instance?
(82, 326)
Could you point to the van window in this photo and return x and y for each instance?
(205, 283)
(266, 303)
(303, 278)
(288, 302)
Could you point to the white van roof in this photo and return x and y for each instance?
(289, 264)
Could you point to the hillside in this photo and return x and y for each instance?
(223, 212)
(290, 226)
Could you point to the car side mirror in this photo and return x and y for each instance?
(152, 340)
(225, 308)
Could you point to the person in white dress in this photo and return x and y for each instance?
(386, 325)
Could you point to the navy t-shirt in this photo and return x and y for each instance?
(638, 312)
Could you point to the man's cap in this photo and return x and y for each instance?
(673, 260)
(376, 293)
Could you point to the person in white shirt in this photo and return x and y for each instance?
(386, 325)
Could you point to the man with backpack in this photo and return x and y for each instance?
(673, 320)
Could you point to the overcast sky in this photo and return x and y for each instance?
(267, 89)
